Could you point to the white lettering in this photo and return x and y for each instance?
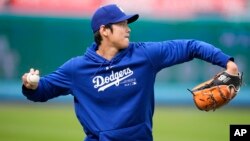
(239, 132)
(113, 79)
(222, 77)
(98, 81)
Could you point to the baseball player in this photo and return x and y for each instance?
(113, 82)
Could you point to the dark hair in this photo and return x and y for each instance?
(97, 35)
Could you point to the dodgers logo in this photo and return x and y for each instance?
(101, 83)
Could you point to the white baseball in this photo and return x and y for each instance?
(33, 79)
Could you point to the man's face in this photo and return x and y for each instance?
(119, 38)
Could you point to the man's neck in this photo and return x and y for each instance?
(107, 52)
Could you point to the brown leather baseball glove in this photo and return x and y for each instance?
(216, 92)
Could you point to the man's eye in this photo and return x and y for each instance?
(123, 24)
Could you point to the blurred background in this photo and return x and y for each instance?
(43, 34)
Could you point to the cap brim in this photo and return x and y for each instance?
(130, 18)
(133, 18)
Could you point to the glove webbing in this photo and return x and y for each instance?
(214, 102)
(223, 97)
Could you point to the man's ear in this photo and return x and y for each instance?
(103, 31)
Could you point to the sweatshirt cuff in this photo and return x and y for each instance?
(231, 59)
(26, 92)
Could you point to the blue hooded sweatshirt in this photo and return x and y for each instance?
(114, 99)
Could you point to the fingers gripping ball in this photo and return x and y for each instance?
(33, 79)
(216, 92)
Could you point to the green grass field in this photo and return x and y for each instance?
(47, 122)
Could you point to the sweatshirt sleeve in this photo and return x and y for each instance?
(168, 53)
(53, 85)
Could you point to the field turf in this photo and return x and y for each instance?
(48, 122)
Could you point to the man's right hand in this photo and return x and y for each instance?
(28, 85)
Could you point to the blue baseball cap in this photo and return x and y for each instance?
(110, 14)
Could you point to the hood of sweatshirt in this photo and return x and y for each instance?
(102, 62)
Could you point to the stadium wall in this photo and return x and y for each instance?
(56, 39)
